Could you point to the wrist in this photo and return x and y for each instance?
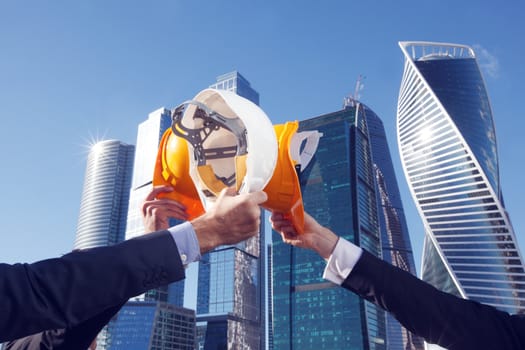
(204, 230)
(326, 243)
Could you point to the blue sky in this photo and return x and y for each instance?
(75, 72)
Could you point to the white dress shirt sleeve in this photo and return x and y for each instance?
(187, 242)
(342, 261)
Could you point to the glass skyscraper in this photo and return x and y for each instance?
(447, 142)
(149, 134)
(339, 191)
(230, 294)
(269, 298)
(104, 203)
(155, 326)
(105, 198)
(395, 240)
(149, 321)
(234, 81)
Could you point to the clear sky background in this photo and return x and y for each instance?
(73, 72)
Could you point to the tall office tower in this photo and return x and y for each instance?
(269, 298)
(149, 134)
(447, 143)
(150, 325)
(160, 299)
(395, 241)
(105, 198)
(235, 82)
(339, 191)
(231, 288)
(104, 203)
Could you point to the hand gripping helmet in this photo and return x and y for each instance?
(220, 139)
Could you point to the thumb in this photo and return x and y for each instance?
(258, 197)
(228, 191)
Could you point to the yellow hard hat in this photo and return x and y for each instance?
(231, 142)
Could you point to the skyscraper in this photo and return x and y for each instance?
(105, 198)
(339, 191)
(150, 325)
(149, 134)
(395, 240)
(230, 294)
(269, 299)
(234, 81)
(447, 143)
(104, 203)
(159, 311)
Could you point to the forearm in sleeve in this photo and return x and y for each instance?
(63, 292)
(440, 318)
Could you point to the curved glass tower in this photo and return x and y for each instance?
(447, 144)
(104, 203)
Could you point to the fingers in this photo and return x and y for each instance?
(164, 202)
(166, 208)
(154, 206)
(282, 224)
(276, 216)
(157, 190)
(158, 210)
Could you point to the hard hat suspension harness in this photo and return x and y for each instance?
(212, 121)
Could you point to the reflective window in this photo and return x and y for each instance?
(460, 88)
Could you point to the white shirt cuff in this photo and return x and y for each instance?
(342, 261)
(187, 242)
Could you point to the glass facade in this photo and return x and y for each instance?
(104, 203)
(339, 191)
(233, 284)
(148, 138)
(105, 199)
(395, 240)
(149, 135)
(269, 298)
(230, 293)
(235, 82)
(447, 143)
(228, 299)
(153, 326)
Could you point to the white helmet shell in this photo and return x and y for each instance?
(225, 131)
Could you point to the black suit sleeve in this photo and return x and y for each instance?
(78, 337)
(63, 292)
(440, 318)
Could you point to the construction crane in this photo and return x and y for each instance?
(351, 100)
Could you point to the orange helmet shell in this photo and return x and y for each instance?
(172, 168)
(284, 190)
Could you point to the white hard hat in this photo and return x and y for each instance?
(233, 142)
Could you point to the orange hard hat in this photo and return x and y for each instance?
(221, 139)
(283, 190)
(172, 168)
(296, 150)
